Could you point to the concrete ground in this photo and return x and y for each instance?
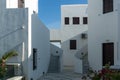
(65, 75)
(61, 76)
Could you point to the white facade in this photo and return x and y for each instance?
(3, 5)
(40, 41)
(103, 28)
(55, 35)
(32, 4)
(71, 32)
(21, 30)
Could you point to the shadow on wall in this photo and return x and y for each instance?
(71, 46)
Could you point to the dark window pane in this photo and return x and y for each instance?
(75, 20)
(66, 20)
(85, 20)
(34, 58)
(107, 6)
(72, 44)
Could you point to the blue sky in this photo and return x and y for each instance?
(49, 11)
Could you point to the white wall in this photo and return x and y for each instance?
(70, 11)
(71, 31)
(103, 28)
(118, 56)
(11, 28)
(23, 18)
(11, 3)
(15, 4)
(2, 4)
(31, 4)
(13, 33)
(78, 66)
(55, 34)
(40, 40)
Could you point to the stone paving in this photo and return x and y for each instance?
(60, 76)
(66, 75)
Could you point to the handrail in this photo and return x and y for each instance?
(81, 52)
(14, 47)
(10, 33)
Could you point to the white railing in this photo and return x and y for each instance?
(81, 52)
(15, 46)
(5, 37)
(1, 37)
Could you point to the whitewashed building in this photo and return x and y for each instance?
(104, 34)
(21, 30)
(72, 35)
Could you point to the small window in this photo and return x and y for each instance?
(75, 20)
(107, 6)
(73, 44)
(85, 20)
(34, 58)
(66, 20)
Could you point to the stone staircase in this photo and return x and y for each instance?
(85, 64)
(68, 69)
(82, 54)
(13, 40)
(67, 74)
(10, 40)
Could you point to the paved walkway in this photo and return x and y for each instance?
(66, 75)
(61, 76)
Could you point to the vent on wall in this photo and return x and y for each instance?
(84, 36)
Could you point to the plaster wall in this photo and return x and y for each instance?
(103, 28)
(40, 41)
(72, 32)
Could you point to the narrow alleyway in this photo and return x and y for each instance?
(67, 74)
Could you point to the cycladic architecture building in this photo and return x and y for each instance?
(72, 35)
(21, 30)
(104, 33)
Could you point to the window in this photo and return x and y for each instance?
(72, 44)
(66, 20)
(75, 20)
(107, 6)
(34, 58)
(85, 20)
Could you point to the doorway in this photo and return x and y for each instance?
(54, 66)
(108, 53)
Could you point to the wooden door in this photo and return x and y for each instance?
(108, 53)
